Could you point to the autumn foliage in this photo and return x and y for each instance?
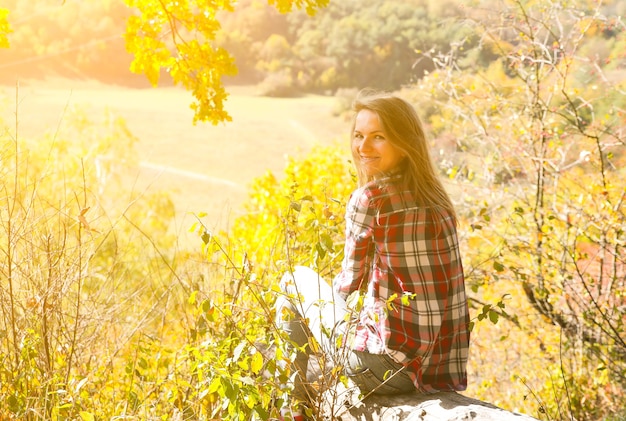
(103, 317)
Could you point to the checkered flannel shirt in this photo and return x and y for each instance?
(405, 259)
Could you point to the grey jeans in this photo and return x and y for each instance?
(310, 308)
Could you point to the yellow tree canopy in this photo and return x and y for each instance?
(5, 28)
(178, 37)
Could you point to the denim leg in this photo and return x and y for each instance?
(378, 374)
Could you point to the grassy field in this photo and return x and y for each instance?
(207, 168)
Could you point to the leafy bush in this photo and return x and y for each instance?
(280, 84)
(72, 269)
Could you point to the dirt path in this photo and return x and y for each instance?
(191, 175)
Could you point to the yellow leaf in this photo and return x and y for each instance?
(257, 363)
(390, 300)
(86, 416)
(5, 28)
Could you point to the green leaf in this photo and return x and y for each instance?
(262, 412)
(320, 250)
(327, 241)
(295, 206)
(494, 316)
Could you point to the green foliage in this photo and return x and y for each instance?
(229, 367)
(333, 47)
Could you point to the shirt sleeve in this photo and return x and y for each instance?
(359, 244)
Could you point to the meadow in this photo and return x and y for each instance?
(205, 168)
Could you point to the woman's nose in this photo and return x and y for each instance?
(364, 144)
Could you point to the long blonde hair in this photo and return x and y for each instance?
(404, 130)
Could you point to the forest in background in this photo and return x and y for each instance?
(526, 108)
(290, 52)
(348, 44)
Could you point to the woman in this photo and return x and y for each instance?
(402, 254)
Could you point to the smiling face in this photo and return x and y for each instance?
(371, 148)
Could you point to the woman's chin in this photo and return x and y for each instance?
(371, 171)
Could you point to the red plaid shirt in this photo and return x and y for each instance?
(405, 259)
